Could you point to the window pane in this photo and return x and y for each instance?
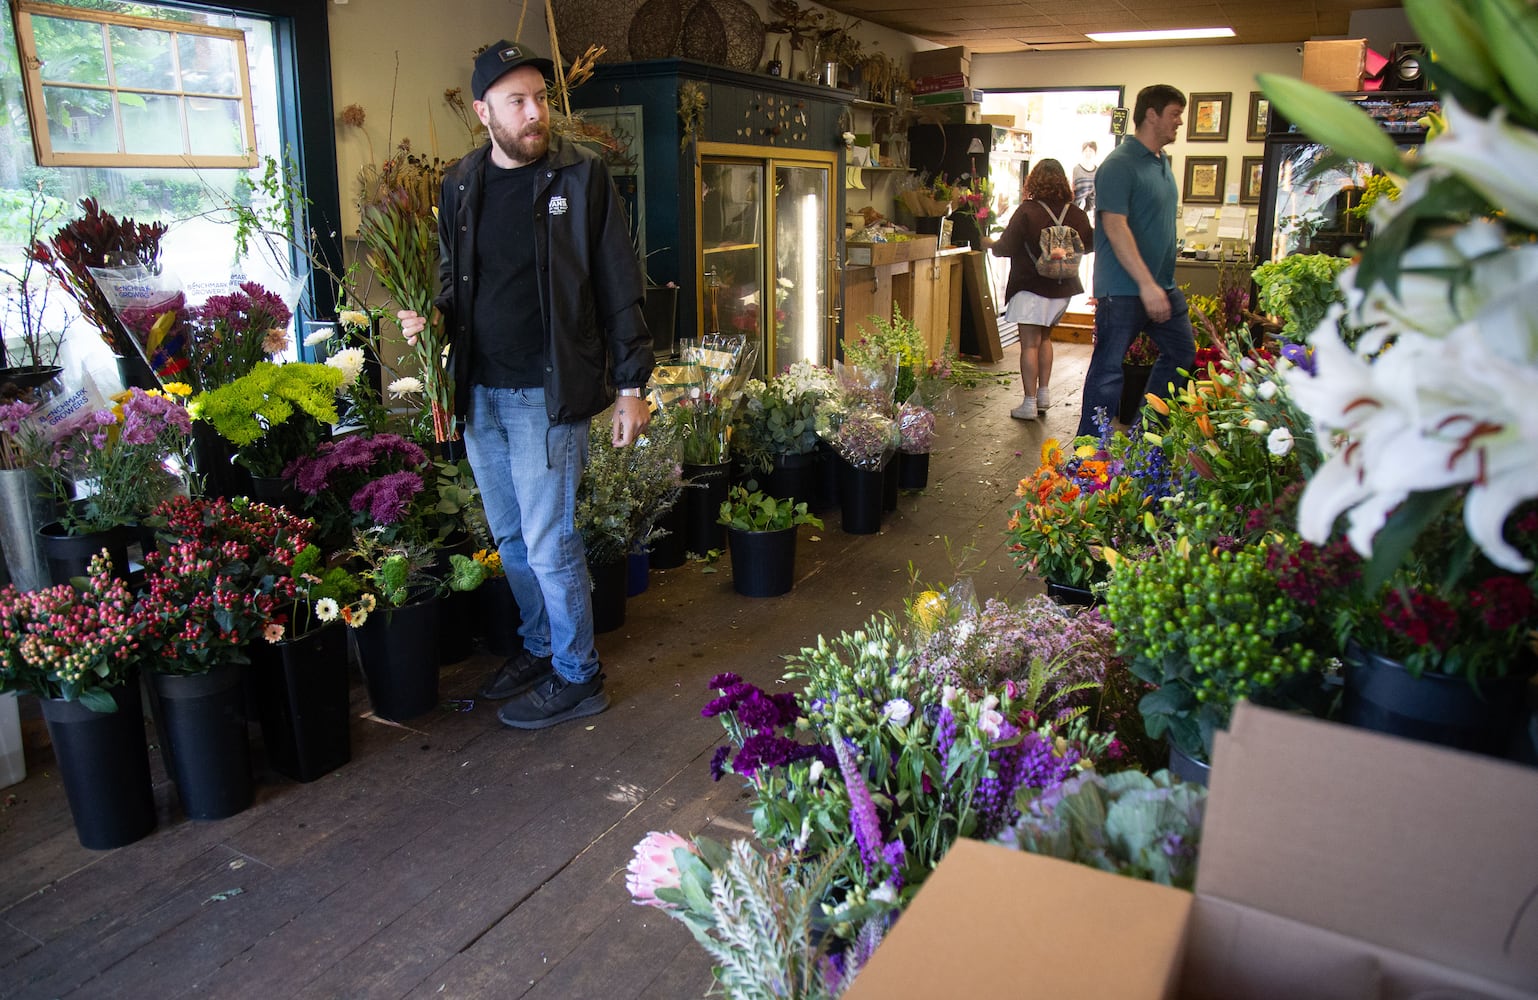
(209, 65)
(141, 58)
(152, 123)
(216, 128)
(80, 121)
(71, 51)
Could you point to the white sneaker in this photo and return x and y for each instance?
(1043, 400)
(1026, 410)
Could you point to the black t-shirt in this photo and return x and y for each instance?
(508, 342)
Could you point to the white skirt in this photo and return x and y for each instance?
(1033, 310)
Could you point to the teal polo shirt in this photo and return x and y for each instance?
(1134, 182)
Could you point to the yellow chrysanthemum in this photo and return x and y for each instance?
(177, 389)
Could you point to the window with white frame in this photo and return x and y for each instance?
(109, 89)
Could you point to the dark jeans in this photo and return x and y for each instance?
(1118, 319)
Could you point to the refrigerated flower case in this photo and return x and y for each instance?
(1309, 195)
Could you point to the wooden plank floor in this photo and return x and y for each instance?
(456, 858)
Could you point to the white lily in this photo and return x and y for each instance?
(1497, 159)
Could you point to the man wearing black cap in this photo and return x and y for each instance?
(541, 298)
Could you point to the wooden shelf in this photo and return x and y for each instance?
(860, 102)
(729, 247)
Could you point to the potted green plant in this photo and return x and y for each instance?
(1206, 627)
(622, 495)
(761, 534)
(774, 435)
(78, 651)
(398, 642)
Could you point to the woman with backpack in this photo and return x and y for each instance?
(1045, 240)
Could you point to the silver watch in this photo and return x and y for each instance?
(633, 393)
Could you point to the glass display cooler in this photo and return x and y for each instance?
(1308, 193)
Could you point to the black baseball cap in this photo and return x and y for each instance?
(499, 59)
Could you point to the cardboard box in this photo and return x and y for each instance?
(930, 84)
(961, 95)
(1336, 65)
(1336, 864)
(875, 254)
(940, 62)
(1004, 121)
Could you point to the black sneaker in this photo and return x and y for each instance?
(516, 676)
(554, 700)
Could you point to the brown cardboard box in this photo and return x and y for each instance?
(1336, 864)
(1006, 121)
(1335, 65)
(940, 62)
(872, 254)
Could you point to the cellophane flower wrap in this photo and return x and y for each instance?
(123, 459)
(699, 393)
(213, 344)
(220, 579)
(75, 645)
(1433, 405)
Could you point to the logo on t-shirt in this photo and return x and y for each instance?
(557, 204)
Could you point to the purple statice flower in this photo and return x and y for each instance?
(388, 498)
(863, 817)
(718, 762)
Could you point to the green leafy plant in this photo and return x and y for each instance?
(757, 511)
(1299, 290)
(624, 491)
(773, 419)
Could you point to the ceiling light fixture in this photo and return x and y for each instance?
(1163, 35)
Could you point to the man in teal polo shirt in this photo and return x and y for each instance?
(1136, 205)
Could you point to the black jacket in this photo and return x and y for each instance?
(590, 290)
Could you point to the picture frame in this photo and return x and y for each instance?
(1251, 169)
(1207, 117)
(1259, 120)
(1205, 180)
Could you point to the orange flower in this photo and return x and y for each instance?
(1159, 405)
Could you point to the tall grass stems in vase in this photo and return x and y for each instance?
(274, 414)
(69, 644)
(29, 338)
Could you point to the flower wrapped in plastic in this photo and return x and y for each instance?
(699, 393)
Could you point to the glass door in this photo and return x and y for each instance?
(802, 319)
(767, 250)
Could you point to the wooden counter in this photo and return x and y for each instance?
(925, 289)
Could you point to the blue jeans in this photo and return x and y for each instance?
(1118, 319)
(527, 470)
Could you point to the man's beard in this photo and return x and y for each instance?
(525, 148)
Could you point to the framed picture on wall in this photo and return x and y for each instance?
(1205, 177)
(1260, 117)
(1207, 118)
(1249, 179)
